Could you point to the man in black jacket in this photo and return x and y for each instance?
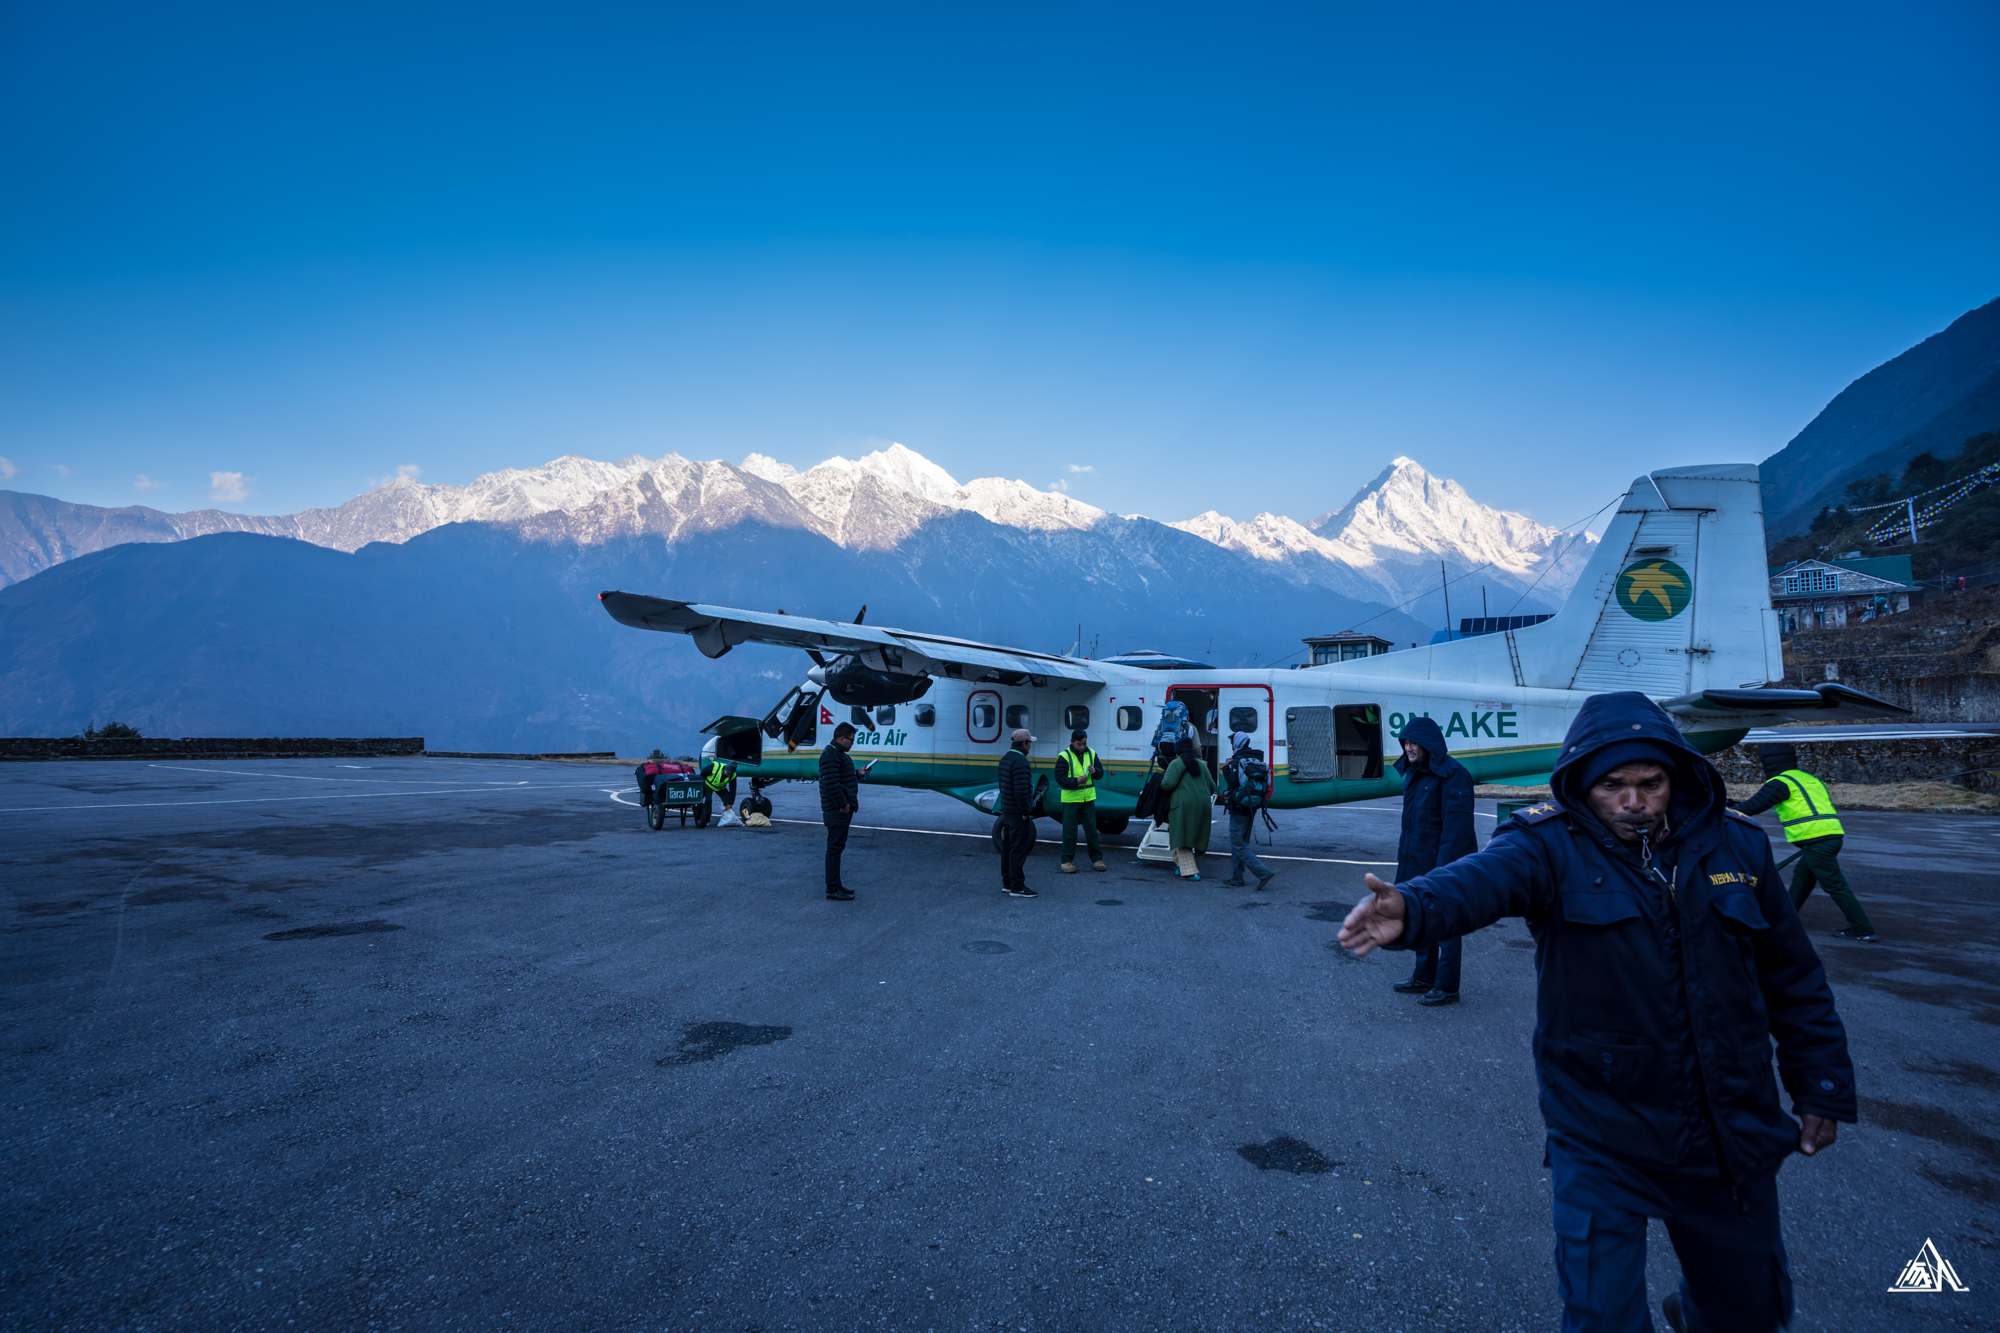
(1017, 825)
(839, 799)
(1437, 828)
(1669, 957)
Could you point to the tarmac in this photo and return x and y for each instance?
(438, 1044)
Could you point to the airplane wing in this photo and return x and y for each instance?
(717, 629)
(1830, 702)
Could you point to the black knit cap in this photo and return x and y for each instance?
(1619, 753)
(1777, 758)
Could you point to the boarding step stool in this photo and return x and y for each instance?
(1156, 845)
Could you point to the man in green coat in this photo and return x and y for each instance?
(1192, 812)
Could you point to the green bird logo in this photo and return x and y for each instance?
(1654, 589)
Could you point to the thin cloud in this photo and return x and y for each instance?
(59, 469)
(1081, 467)
(407, 472)
(1062, 486)
(7, 469)
(228, 487)
(142, 482)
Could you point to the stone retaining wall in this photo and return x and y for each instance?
(210, 747)
(1877, 762)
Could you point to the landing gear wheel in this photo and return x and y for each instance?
(1112, 825)
(656, 816)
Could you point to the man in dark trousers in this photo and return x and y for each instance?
(1078, 772)
(1017, 825)
(839, 799)
(1811, 825)
(1437, 828)
(1668, 959)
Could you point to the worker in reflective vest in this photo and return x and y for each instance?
(720, 779)
(1077, 773)
(1810, 821)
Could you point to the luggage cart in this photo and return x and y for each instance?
(677, 795)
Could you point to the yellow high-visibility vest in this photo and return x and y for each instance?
(1078, 768)
(714, 779)
(1808, 812)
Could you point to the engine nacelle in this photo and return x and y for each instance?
(852, 681)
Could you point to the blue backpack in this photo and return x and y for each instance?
(1175, 726)
(1253, 784)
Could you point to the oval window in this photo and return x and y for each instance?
(926, 715)
(1131, 718)
(1243, 719)
(982, 716)
(1017, 716)
(1076, 717)
(885, 716)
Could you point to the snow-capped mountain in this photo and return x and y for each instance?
(1380, 547)
(1387, 542)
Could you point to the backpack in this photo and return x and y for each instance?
(1252, 789)
(1174, 724)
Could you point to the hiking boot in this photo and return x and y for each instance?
(1413, 987)
(1069, 867)
(1435, 997)
(1265, 882)
(1856, 933)
(1097, 865)
(1023, 892)
(840, 895)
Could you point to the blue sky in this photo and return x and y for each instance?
(1222, 257)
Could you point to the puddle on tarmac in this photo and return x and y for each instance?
(1286, 1153)
(710, 1041)
(337, 928)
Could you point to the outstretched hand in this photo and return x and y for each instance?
(1376, 920)
(1816, 1132)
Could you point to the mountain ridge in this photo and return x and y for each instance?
(876, 503)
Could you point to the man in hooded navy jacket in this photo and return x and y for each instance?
(1669, 958)
(1437, 827)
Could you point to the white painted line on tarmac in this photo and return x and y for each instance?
(309, 777)
(276, 800)
(943, 833)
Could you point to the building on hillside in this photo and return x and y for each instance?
(1346, 646)
(1813, 594)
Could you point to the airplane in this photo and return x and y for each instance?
(1675, 603)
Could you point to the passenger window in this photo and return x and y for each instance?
(1017, 716)
(1131, 718)
(859, 717)
(926, 715)
(885, 716)
(982, 716)
(1243, 719)
(1076, 717)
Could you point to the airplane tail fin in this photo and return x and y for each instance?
(1676, 599)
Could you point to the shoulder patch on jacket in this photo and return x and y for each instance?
(1539, 812)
